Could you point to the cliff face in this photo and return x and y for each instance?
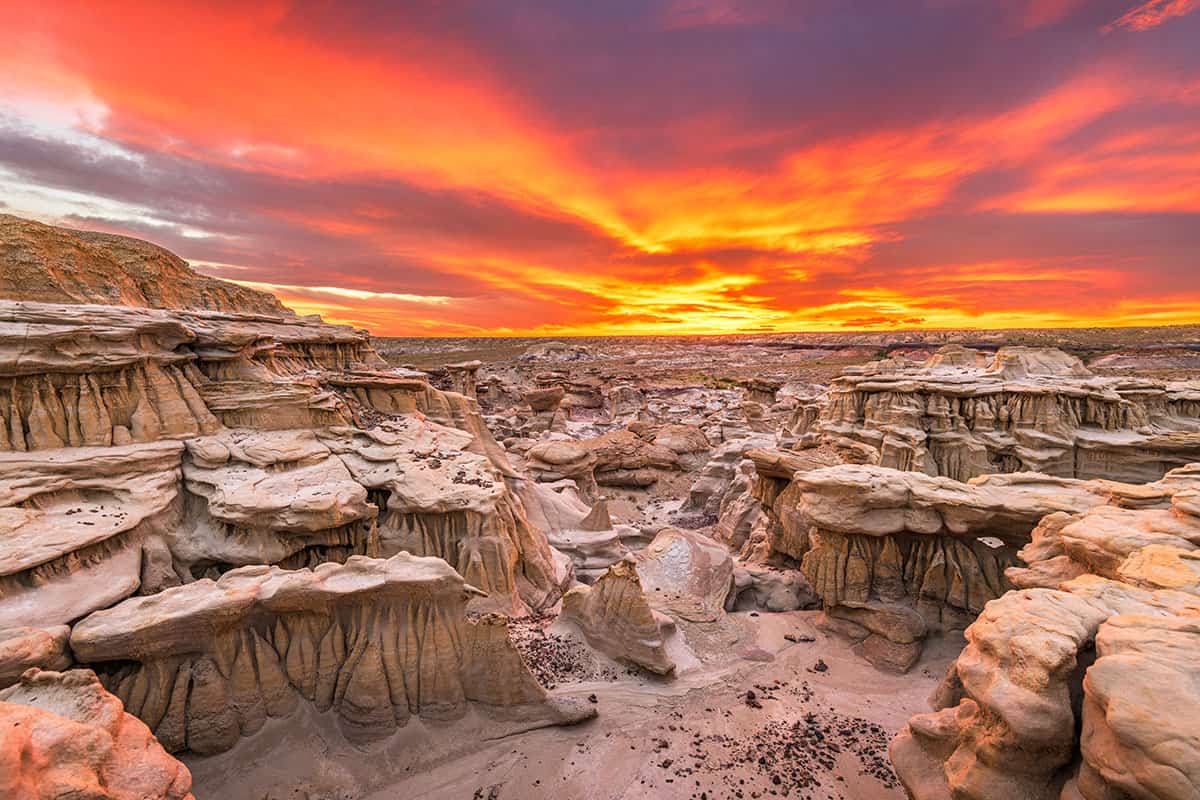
(895, 556)
(296, 451)
(963, 414)
(49, 264)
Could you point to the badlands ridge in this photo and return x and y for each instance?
(245, 555)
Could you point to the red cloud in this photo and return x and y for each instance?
(1151, 14)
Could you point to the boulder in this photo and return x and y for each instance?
(24, 648)
(685, 574)
(616, 618)
(63, 736)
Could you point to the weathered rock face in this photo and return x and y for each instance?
(616, 459)
(438, 498)
(616, 618)
(586, 535)
(145, 448)
(759, 500)
(461, 377)
(49, 264)
(895, 555)
(63, 736)
(24, 648)
(961, 415)
(269, 497)
(108, 386)
(1074, 689)
(1151, 526)
(377, 641)
(765, 588)
(85, 528)
(74, 376)
(685, 574)
(722, 476)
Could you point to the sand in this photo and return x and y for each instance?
(757, 715)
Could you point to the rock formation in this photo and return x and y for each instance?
(1080, 687)
(586, 535)
(439, 498)
(685, 574)
(222, 514)
(269, 497)
(48, 264)
(619, 458)
(616, 618)
(24, 648)
(147, 451)
(714, 487)
(895, 555)
(111, 383)
(962, 414)
(377, 641)
(63, 736)
(82, 528)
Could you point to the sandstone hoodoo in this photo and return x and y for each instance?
(896, 555)
(1080, 685)
(615, 616)
(249, 554)
(376, 641)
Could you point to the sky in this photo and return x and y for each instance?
(457, 168)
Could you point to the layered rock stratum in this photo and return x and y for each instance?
(50, 264)
(964, 413)
(375, 641)
(1082, 684)
(227, 510)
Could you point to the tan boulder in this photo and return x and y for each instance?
(616, 618)
(24, 648)
(685, 574)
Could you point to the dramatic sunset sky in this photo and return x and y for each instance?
(605, 166)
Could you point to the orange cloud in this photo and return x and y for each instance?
(422, 182)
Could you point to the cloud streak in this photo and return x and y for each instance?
(1152, 14)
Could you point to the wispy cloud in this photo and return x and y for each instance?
(1151, 14)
